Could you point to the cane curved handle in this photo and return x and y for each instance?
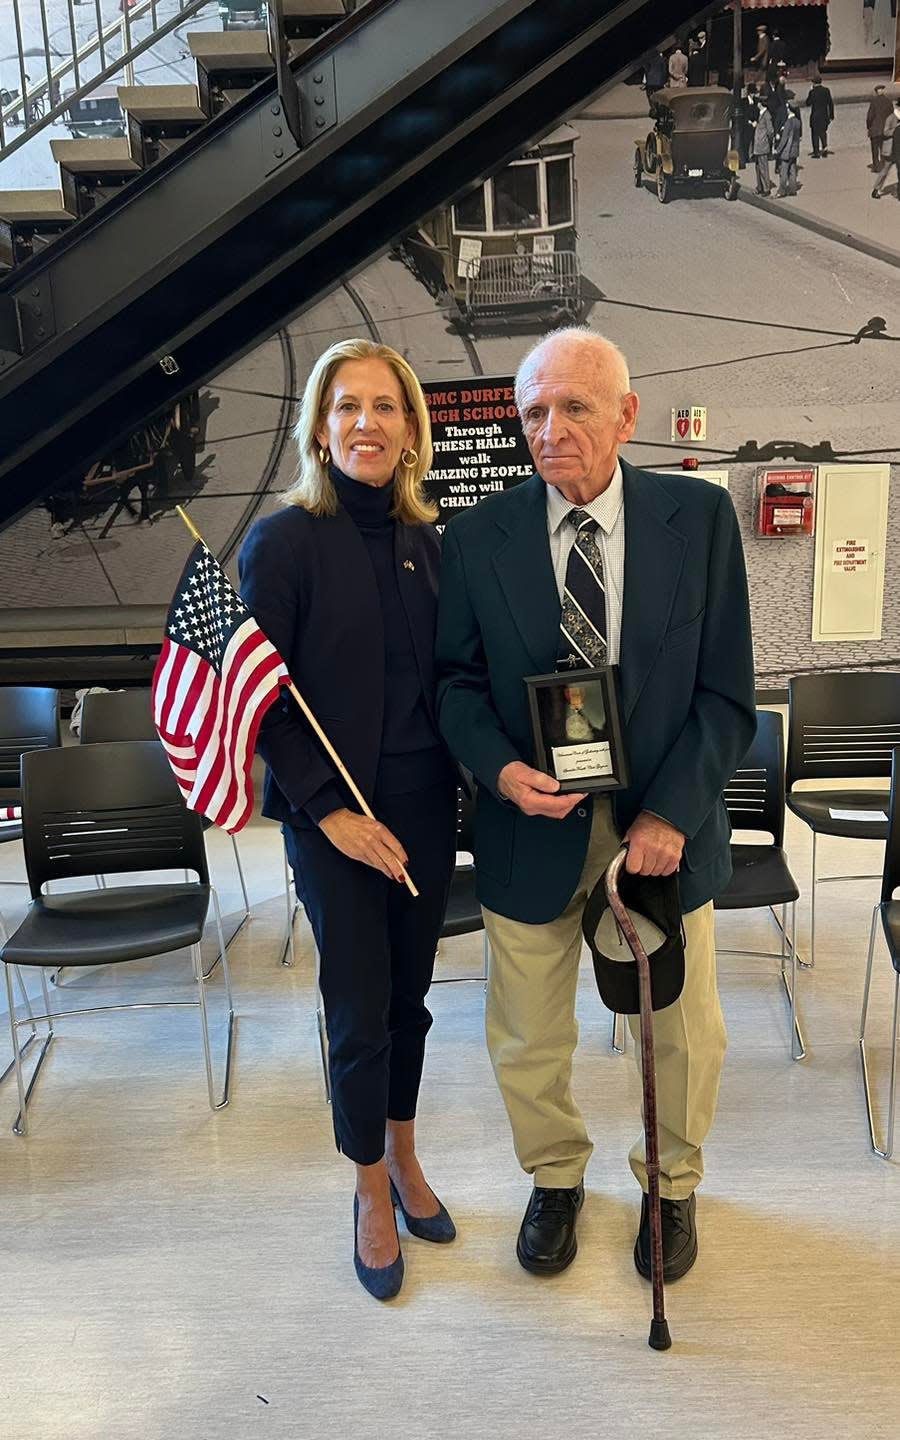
(616, 905)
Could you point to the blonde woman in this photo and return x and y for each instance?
(343, 580)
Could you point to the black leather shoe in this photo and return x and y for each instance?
(679, 1238)
(547, 1242)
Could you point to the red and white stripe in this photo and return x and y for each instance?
(10, 813)
(208, 722)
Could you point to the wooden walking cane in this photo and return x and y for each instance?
(332, 753)
(659, 1338)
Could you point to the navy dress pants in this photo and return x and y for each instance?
(376, 946)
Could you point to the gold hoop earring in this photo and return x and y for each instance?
(324, 456)
(410, 459)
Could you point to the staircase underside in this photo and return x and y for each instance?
(208, 252)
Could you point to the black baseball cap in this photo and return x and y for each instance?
(654, 904)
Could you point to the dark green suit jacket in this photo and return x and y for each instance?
(686, 670)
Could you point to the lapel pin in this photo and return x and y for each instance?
(408, 565)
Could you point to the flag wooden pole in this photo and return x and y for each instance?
(342, 769)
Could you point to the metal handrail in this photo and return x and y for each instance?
(71, 64)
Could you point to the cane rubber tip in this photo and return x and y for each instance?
(660, 1339)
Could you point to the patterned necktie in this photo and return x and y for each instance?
(582, 636)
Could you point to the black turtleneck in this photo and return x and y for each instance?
(412, 756)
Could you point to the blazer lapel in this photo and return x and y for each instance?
(525, 572)
(654, 557)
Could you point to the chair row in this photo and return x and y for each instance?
(755, 799)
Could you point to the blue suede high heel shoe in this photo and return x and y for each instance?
(382, 1281)
(439, 1228)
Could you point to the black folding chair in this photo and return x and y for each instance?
(112, 808)
(761, 877)
(128, 715)
(889, 910)
(463, 914)
(29, 720)
(840, 726)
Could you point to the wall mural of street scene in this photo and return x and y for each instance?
(747, 268)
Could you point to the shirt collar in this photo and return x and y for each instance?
(605, 509)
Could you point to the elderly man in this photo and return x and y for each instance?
(668, 604)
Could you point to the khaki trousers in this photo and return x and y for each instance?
(532, 1032)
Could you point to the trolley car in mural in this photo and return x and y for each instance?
(507, 248)
(690, 142)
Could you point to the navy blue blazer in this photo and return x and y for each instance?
(686, 671)
(309, 583)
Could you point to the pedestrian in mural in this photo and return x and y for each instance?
(678, 68)
(821, 114)
(656, 73)
(749, 117)
(763, 141)
(760, 61)
(892, 162)
(879, 117)
(777, 55)
(778, 99)
(787, 152)
(698, 60)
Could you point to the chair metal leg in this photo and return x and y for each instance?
(887, 1151)
(20, 1125)
(810, 963)
(617, 1034)
(26, 1004)
(798, 1047)
(288, 957)
(240, 870)
(204, 1017)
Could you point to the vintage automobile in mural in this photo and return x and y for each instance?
(690, 142)
(506, 250)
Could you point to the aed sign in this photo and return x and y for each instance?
(689, 423)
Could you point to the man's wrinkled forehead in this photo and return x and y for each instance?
(560, 378)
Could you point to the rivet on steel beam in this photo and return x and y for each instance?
(318, 79)
(320, 122)
(276, 129)
(276, 109)
(278, 154)
(320, 99)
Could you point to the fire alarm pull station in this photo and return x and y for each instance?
(787, 502)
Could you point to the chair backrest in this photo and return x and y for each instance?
(29, 720)
(117, 715)
(106, 808)
(891, 876)
(465, 821)
(754, 796)
(842, 725)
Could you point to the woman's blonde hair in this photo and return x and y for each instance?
(313, 488)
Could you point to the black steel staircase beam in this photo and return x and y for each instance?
(271, 233)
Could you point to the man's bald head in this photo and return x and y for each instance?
(580, 351)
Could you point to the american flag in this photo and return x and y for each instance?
(215, 679)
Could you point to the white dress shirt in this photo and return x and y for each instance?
(609, 511)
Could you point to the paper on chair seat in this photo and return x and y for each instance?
(857, 814)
